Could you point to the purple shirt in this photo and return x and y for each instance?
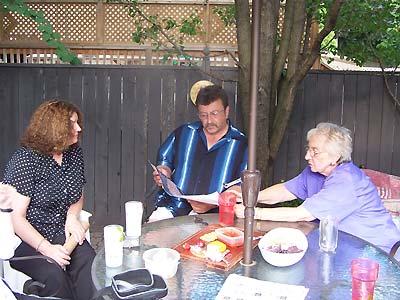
(348, 194)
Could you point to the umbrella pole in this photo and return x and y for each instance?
(251, 178)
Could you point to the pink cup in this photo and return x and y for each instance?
(364, 273)
(226, 202)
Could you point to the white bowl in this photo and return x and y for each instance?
(162, 261)
(285, 237)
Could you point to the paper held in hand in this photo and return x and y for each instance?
(171, 189)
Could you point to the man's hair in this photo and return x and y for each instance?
(50, 127)
(211, 93)
(338, 139)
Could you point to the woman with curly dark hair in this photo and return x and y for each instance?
(48, 174)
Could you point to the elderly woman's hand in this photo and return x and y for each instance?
(239, 210)
(74, 227)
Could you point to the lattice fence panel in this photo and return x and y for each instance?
(75, 22)
(119, 25)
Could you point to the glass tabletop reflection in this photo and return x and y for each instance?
(327, 275)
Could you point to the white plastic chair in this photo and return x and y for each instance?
(16, 279)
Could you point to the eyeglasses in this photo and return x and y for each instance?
(213, 114)
(313, 151)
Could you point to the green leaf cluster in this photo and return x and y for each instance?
(369, 31)
(163, 33)
(52, 38)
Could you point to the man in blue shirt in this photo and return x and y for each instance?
(200, 156)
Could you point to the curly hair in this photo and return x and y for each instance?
(338, 139)
(50, 128)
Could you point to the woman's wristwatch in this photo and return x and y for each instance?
(6, 210)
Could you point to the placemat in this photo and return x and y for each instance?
(233, 257)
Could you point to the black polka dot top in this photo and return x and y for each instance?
(51, 187)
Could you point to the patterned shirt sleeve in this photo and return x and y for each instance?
(20, 172)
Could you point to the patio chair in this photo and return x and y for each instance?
(394, 249)
(20, 282)
(388, 187)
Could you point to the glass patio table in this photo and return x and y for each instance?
(327, 275)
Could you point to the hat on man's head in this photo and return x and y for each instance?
(196, 88)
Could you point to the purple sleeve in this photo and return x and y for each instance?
(337, 197)
(298, 185)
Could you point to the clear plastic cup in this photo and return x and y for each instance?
(328, 233)
(133, 222)
(364, 273)
(113, 245)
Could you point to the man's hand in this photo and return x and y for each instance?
(164, 170)
(201, 207)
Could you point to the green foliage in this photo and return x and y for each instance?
(53, 39)
(292, 203)
(226, 14)
(369, 31)
(167, 34)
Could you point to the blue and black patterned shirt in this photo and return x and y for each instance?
(197, 170)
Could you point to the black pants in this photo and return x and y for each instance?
(76, 279)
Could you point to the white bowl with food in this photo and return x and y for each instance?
(283, 246)
(162, 261)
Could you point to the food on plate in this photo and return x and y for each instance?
(284, 248)
(198, 251)
(216, 246)
(230, 236)
(200, 243)
(209, 237)
(186, 246)
(216, 251)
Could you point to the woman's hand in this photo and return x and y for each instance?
(239, 210)
(164, 170)
(6, 194)
(74, 227)
(56, 252)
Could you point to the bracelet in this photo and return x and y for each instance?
(41, 241)
(6, 210)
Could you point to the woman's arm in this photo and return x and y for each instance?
(287, 214)
(275, 194)
(72, 224)
(7, 236)
(31, 236)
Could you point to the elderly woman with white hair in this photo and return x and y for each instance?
(331, 185)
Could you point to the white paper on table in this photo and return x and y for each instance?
(241, 287)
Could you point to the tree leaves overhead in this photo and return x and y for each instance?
(369, 31)
(52, 38)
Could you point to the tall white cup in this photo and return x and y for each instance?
(113, 245)
(133, 214)
(328, 233)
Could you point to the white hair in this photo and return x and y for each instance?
(338, 140)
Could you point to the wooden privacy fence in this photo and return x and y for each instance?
(129, 111)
